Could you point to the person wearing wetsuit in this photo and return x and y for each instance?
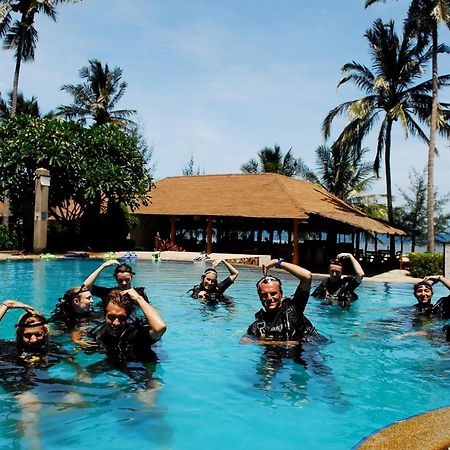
(123, 274)
(209, 290)
(338, 289)
(281, 319)
(423, 291)
(119, 336)
(74, 308)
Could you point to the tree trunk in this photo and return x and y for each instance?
(432, 145)
(387, 162)
(17, 69)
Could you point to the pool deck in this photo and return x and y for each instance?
(429, 431)
(392, 276)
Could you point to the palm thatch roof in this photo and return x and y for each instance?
(265, 195)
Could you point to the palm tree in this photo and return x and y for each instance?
(273, 160)
(20, 34)
(342, 171)
(97, 98)
(23, 106)
(392, 96)
(424, 18)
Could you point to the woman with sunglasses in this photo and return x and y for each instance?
(281, 319)
(209, 289)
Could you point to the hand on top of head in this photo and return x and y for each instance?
(111, 262)
(216, 262)
(131, 293)
(343, 255)
(432, 279)
(17, 304)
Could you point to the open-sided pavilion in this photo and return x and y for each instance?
(253, 214)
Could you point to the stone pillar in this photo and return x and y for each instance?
(447, 259)
(41, 210)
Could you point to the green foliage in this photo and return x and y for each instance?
(87, 166)
(9, 239)
(272, 160)
(97, 97)
(412, 213)
(424, 264)
(189, 169)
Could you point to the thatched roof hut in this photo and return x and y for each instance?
(252, 202)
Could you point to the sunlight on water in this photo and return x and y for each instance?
(208, 390)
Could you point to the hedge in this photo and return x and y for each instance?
(423, 264)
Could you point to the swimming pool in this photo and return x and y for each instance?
(210, 391)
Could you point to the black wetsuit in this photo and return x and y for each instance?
(214, 295)
(21, 369)
(287, 323)
(68, 320)
(440, 309)
(133, 344)
(340, 292)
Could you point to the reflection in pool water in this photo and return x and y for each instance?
(209, 391)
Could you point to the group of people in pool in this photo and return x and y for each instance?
(122, 333)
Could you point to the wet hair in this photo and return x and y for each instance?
(123, 268)
(28, 320)
(117, 297)
(266, 280)
(422, 283)
(336, 262)
(65, 303)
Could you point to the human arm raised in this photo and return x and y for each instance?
(438, 278)
(359, 272)
(154, 319)
(8, 304)
(90, 280)
(233, 271)
(302, 274)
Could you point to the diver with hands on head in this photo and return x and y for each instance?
(281, 320)
(338, 289)
(209, 289)
(423, 291)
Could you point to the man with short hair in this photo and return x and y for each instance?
(123, 337)
(338, 289)
(282, 320)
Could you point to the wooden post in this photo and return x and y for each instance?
(172, 229)
(295, 254)
(209, 236)
(41, 210)
(5, 219)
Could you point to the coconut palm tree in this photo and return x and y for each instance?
(23, 106)
(392, 96)
(20, 34)
(424, 18)
(341, 170)
(273, 160)
(97, 97)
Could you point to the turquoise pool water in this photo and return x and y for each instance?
(210, 391)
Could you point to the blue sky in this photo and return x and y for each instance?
(221, 80)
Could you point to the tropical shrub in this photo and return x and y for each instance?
(9, 239)
(423, 264)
